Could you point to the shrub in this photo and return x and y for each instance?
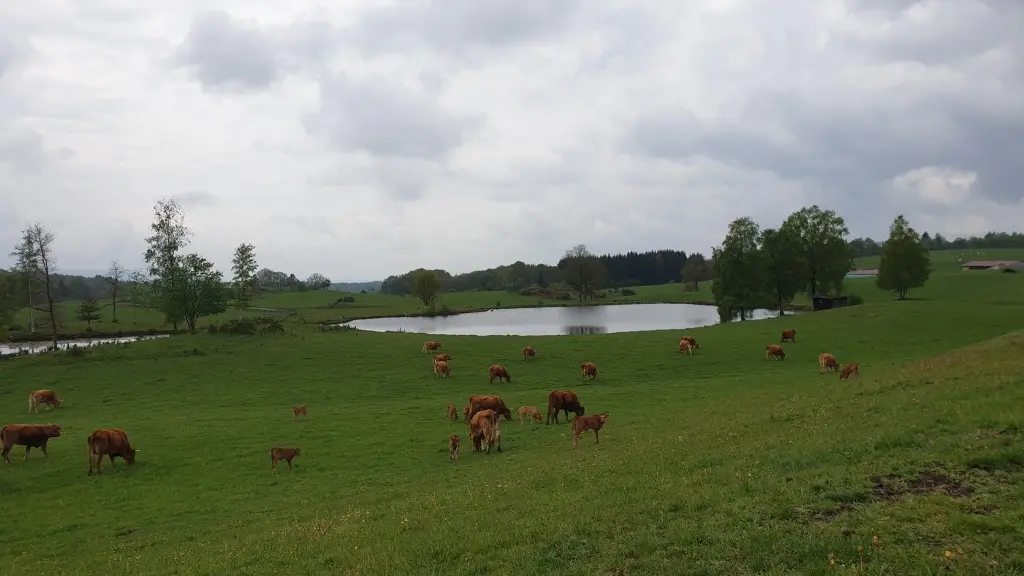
(212, 329)
(854, 300)
(15, 327)
(628, 292)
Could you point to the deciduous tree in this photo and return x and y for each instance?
(36, 264)
(696, 270)
(905, 262)
(826, 255)
(170, 236)
(584, 272)
(244, 268)
(783, 267)
(739, 271)
(138, 291)
(318, 281)
(426, 286)
(88, 312)
(199, 288)
(115, 274)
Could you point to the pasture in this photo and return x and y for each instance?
(720, 463)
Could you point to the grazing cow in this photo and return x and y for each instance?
(498, 371)
(453, 447)
(38, 397)
(788, 334)
(441, 369)
(286, 454)
(484, 428)
(300, 411)
(853, 368)
(528, 353)
(486, 402)
(827, 361)
(453, 414)
(685, 347)
(565, 401)
(692, 341)
(109, 442)
(28, 435)
(774, 351)
(584, 423)
(431, 346)
(530, 412)
(442, 357)
(588, 369)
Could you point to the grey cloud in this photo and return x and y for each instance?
(376, 116)
(22, 150)
(195, 199)
(226, 54)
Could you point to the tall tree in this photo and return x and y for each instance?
(905, 262)
(244, 268)
(11, 299)
(739, 271)
(199, 288)
(696, 270)
(584, 272)
(163, 256)
(783, 267)
(826, 256)
(426, 286)
(115, 274)
(88, 312)
(138, 291)
(36, 263)
(318, 281)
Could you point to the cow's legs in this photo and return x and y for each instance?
(595, 436)
(6, 451)
(43, 448)
(27, 448)
(289, 465)
(99, 462)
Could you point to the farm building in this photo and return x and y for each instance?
(994, 265)
(862, 273)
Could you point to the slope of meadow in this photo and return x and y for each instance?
(720, 463)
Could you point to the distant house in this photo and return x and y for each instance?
(862, 273)
(994, 265)
(828, 302)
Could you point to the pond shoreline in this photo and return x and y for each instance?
(42, 338)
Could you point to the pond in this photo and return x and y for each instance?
(553, 320)
(37, 347)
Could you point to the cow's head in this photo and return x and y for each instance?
(56, 402)
(602, 417)
(506, 412)
(782, 354)
(579, 411)
(53, 430)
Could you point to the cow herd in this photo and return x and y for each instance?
(826, 361)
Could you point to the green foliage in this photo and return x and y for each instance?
(905, 261)
(739, 271)
(88, 312)
(584, 272)
(826, 255)
(695, 271)
(199, 289)
(244, 268)
(170, 236)
(426, 286)
(784, 268)
(317, 281)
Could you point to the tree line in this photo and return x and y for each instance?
(183, 286)
(808, 253)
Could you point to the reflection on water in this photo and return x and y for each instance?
(22, 348)
(555, 320)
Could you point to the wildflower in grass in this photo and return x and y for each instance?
(875, 541)
(831, 560)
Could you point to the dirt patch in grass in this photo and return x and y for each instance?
(892, 487)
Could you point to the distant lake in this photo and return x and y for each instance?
(554, 320)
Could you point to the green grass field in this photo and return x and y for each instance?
(720, 463)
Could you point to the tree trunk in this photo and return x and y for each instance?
(113, 304)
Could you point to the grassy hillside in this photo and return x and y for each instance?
(720, 463)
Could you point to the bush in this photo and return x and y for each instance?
(628, 292)
(212, 329)
(854, 300)
(15, 327)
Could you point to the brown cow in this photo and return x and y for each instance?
(774, 351)
(530, 412)
(498, 371)
(300, 411)
(584, 423)
(485, 428)
(528, 353)
(486, 402)
(442, 357)
(588, 369)
(453, 447)
(685, 347)
(28, 435)
(441, 369)
(38, 397)
(286, 454)
(453, 414)
(692, 341)
(109, 442)
(827, 361)
(566, 401)
(431, 346)
(853, 368)
(788, 334)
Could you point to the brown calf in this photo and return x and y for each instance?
(431, 346)
(109, 442)
(485, 428)
(774, 351)
(588, 369)
(300, 411)
(564, 401)
(692, 341)
(685, 347)
(529, 352)
(453, 447)
(584, 423)
(48, 397)
(853, 368)
(441, 369)
(442, 357)
(498, 371)
(286, 454)
(827, 361)
(453, 414)
(28, 435)
(530, 412)
(788, 334)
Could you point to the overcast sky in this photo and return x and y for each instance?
(372, 138)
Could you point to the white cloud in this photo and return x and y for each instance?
(366, 139)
